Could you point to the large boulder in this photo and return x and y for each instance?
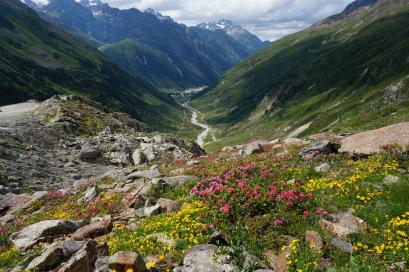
(371, 142)
(176, 181)
(122, 260)
(11, 203)
(30, 235)
(139, 157)
(205, 258)
(152, 173)
(252, 148)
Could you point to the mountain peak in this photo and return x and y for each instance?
(158, 15)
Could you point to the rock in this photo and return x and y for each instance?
(168, 205)
(11, 203)
(314, 239)
(139, 157)
(40, 195)
(218, 239)
(123, 260)
(252, 148)
(343, 245)
(318, 148)
(371, 142)
(192, 162)
(152, 173)
(163, 239)
(295, 141)
(204, 258)
(149, 150)
(98, 226)
(227, 149)
(323, 168)
(91, 194)
(277, 262)
(177, 181)
(251, 261)
(83, 260)
(89, 152)
(30, 235)
(101, 264)
(48, 260)
(69, 247)
(346, 224)
(390, 180)
(152, 210)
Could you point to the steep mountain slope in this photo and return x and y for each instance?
(250, 41)
(38, 61)
(342, 76)
(194, 56)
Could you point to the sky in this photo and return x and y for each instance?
(268, 19)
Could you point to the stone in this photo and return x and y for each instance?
(323, 168)
(391, 179)
(345, 225)
(98, 226)
(30, 235)
(204, 258)
(218, 239)
(83, 260)
(178, 180)
(69, 247)
(168, 205)
(343, 245)
(251, 262)
(152, 210)
(277, 261)
(89, 152)
(295, 141)
(318, 148)
(48, 260)
(152, 173)
(122, 260)
(11, 203)
(91, 194)
(252, 148)
(371, 142)
(139, 157)
(101, 264)
(314, 240)
(193, 162)
(163, 239)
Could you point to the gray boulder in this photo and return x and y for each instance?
(50, 259)
(323, 168)
(89, 152)
(204, 258)
(91, 194)
(152, 173)
(30, 235)
(177, 181)
(83, 260)
(252, 148)
(139, 157)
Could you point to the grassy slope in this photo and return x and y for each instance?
(334, 75)
(37, 61)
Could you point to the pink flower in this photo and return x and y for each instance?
(306, 214)
(225, 208)
(278, 222)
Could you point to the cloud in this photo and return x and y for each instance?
(269, 19)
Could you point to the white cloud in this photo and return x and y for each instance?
(269, 19)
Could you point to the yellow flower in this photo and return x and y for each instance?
(151, 264)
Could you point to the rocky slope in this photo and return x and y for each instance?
(73, 138)
(39, 60)
(340, 75)
(161, 51)
(265, 206)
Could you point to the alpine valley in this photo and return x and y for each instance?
(130, 142)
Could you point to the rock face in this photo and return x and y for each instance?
(121, 261)
(371, 142)
(30, 235)
(203, 258)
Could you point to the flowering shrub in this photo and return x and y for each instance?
(301, 258)
(249, 190)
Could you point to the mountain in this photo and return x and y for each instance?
(194, 56)
(37, 61)
(250, 41)
(350, 75)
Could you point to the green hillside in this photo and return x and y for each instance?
(38, 61)
(342, 76)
